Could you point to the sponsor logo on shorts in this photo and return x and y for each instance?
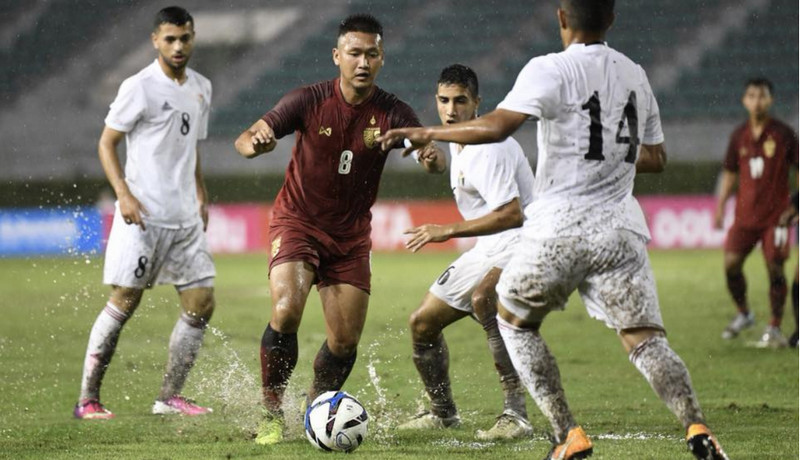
(276, 246)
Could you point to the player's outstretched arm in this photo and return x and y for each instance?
(256, 140)
(130, 207)
(503, 218)
(726, 185)
(652, 159)
(495, 126)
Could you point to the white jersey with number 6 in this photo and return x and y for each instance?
(163, 120)
(595, 108)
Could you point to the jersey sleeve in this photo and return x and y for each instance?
(287, 115)
(205, 115)
(731, 162)
(493, 174)
(537, 91)
(653, 134)
(128, 108)
(402, 116)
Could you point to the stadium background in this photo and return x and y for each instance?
(61, 62)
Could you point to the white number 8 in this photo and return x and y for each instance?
(345, 162)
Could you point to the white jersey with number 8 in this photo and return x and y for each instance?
(595, 108)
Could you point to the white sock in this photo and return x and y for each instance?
(184, 343)
(102, 343)
(668, 377)
(539, 373)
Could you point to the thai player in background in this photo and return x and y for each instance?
(761, 153)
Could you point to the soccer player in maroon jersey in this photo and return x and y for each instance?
(320, 230)
(760, 154)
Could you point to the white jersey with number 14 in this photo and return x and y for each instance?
(595, 108)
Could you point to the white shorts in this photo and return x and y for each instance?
(610, 270)
(457, 283)
(158, 255)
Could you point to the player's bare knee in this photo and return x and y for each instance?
(126, 299)
(631, 338)
(286, 315)
(343, 346)
(202, 306)
(422, 328)
(484, 305)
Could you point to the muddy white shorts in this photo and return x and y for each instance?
(157, 255)
(457, 283)
(610, 270)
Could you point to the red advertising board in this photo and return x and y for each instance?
(675, 222)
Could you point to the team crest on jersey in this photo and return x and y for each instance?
(769, 147)
(369, 136)
(276, 246)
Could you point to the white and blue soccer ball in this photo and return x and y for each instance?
(336, 421)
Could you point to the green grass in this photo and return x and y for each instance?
(47, 307)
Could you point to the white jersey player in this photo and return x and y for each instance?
(599, 126)
(491, 184)
(157, 236)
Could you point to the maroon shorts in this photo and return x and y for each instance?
(774, 241)
(335, 262)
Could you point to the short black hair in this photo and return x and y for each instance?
(458, 74)
(760, 82)
(589, 15)
(172, 15)
(361, 23)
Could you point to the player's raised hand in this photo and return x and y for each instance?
(418, 137)
(256, 140)
(132, 210)
(424, 234)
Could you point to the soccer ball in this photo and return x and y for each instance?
(336, 421)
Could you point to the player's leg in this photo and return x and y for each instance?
(344, 307)
(738, 244)
(432, 360)
(513, 422)
(539, 278)
(197, 302)
(622, 292)
(128, 268)
(775, 246)
(100, 349)
(290, 283)
(650, 352)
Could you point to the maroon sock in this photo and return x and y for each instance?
(278, 359)
(737, 286)
(777, 299)
(330, 371)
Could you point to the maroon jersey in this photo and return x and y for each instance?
(333, 176)
(763, 167)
